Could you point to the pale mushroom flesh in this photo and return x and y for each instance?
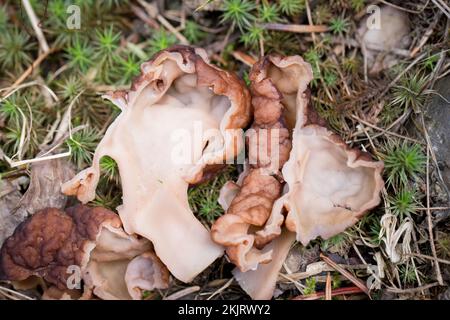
(180, 118)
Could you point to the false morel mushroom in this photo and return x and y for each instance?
(328, 186)
(82, 243)
(180, 121)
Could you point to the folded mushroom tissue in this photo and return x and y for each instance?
(181, 122)
(326, 186)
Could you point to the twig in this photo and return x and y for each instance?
(297, 28)
(177, 295)
(432, 208)
(346, 274)
(426, 35)
(328, 291)
(226, 285)
(15, 293)
(429, 219)
(413, 290)
(365, 55)
(318, 269)
(400, 75)
(424, 256)
(244, 58)
(35, 24)
(336, 292)
(153, 12)
(310, 20)
(385, 131)
(443, 7)
(30, 69)
(144, 17)
(65, 123)
(261, 47)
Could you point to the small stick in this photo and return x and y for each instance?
(2, 288)
(346, 274)
(297, 28)
(30, 69)
(385, 131)
(400, 75)
(429, 220)
(424, 256)
(216, 57)
(328, 291)
(336, 292)
(261, 47)
(152, 23)
(426, 35)
(153, 12)
(432, 208)
(177, 295)
(443, 7)
(35, 24)
(398, 7)
(226, 285)
(244, 58)
(413, 290)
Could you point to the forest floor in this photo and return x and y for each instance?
(390, 102)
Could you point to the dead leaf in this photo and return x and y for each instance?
(45, 185)
(44, 191)
(9, 198)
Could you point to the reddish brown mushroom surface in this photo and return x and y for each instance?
(180, 121)
(82, 243)
(328, 185)
(268, 145)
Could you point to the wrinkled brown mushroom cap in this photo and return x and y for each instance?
(329, 185)
(268, 144)
(47, 243)
(53, 245)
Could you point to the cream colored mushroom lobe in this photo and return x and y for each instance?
(329, 185)
(178, 95)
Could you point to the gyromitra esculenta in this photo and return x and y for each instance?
(328, 185)
(86, 244)
(180, 121)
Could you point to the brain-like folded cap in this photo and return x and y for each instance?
(321, 187)
(65, 247)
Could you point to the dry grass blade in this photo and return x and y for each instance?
(153, 13)
(334, 293)
(426, 35)
(443, 7)
(413, 290)
(13, 295)
(346, 274)
(424, 256)
(386, 131)
(144, 17)
(218, 291)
